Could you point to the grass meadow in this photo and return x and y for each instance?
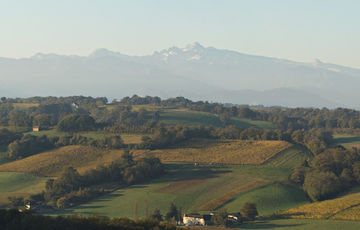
(348, 141)
(190, 187)
(19, 184)
(290, 157)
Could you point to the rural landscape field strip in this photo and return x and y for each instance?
(290, 157)
(339, 208)
(348, 141)
(224, 152)
(53, 162)
(227, 196)
(19, 184)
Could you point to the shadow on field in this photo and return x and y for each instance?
(266, 225)
(178, 172)
(348, 139)
(108, 196)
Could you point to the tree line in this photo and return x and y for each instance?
(13, 219)
(329, 173)
(72, 188)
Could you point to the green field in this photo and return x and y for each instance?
(193, 187)
(270, 198)
(19, 184)
(195, 118)
(16, 129)
(188, 117)
(246, 123)
(3, 155)
(348, 141)
(292, 224)
(290, 157)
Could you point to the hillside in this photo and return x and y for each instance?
(342, 208)
(53, 162)
(195, 188)
(222, 152)
(290, 157)
(19, 184)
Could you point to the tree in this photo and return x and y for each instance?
(221, 218)
(43, 120)
(298, 175)
(173, 213)
(76, 123)
(16, 201)
(249, 211)
(127, 158)
(156, 215)
(321, 185)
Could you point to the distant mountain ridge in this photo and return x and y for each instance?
(195, 71)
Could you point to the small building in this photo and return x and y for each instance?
(36, 128)
(196, 219)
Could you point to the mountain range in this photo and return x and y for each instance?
(195, 72)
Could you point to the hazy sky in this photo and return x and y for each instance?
(300, 30)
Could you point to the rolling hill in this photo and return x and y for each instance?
(343, 208)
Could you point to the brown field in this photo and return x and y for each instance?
(223, 152)
(83, 158)
(229, 195)
(53, 162)
(131, 139)
(25, 105)
(343, 208)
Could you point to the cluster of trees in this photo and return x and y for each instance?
(76, 123)
(57, 107)
(165, 136)
(6, 137)
(316, 140)
(72, 188)
(284, 118)
(13, 219)
(29, 145)
(329, 173)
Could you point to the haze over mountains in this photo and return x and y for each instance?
(194, 72)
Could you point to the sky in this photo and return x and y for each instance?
(299, 30)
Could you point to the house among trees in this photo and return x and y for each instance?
(36, 129)
(196, 219)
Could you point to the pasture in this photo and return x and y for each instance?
(195, 118)
(190, 188)
(290, 157)
(188, 117)
(270, 198)
(348, 141)
(19, 184)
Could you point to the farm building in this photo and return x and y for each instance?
(196, 219)
(36, 129)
